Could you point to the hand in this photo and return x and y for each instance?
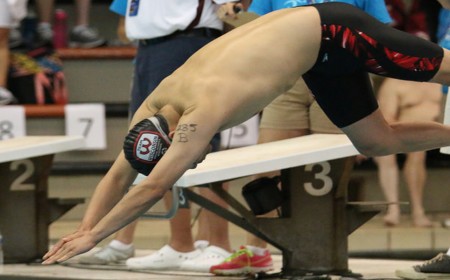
(229, 10)
(74, 244)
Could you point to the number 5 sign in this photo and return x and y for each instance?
(87, 120)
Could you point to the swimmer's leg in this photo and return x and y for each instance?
(374, 136)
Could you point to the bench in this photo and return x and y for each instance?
(315, 218)
(25, 209)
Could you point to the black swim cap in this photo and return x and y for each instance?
(146, 143)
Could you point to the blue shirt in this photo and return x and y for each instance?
(119, 7)
(375, 8)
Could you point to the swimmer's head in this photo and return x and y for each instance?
(146, 143)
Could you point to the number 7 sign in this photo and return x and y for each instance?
(87, 120)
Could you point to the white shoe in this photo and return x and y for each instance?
(107, 255)
(165, 258)
(6, 96)
(85, 37)
(212, 255)
(201, 244)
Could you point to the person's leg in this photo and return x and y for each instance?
(180, 247)
(126, 234)
(217, 227)
(4, 55)
(44, 9)
(415, 175)
(373, 136)
(45, 12)
(214, 229)
(181, 238)
(202, 228)
(286, 117)
(6, 23)
(83, 8)
(388, 176)
(5, 95)
(81, 35)
(269, 135)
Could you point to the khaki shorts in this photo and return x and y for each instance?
(297, 109)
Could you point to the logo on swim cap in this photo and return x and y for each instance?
(146, 143)
(149, 146)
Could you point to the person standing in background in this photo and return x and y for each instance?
(410, 16)
(11, 13)
(439, 266)
(292, 114)
(81, 35)
(407, 101)
(168, 33)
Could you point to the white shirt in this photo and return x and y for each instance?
(147, 19)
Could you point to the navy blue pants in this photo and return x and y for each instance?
(158, 58)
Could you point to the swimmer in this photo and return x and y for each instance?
(332, 46)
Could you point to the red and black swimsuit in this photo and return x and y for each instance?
(354, 43)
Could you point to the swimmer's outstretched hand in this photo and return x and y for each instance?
(74, 244)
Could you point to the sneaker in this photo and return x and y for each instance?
(107, 255)
(212, 255)
(6, 97)
(44, 33)
(243, 262)
(164, 259)
(85, 37)
(436, 268)
(446, 223)
(201, 244)
(15, 38)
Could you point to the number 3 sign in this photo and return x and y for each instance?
(87, 120)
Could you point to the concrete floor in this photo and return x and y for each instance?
(148, 239)
(370, 269)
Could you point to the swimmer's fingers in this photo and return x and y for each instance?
(68, 249)
(53, 250)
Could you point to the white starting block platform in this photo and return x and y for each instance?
(25, 210)
(315, 217)
(34, 146)
(250, 160)
(245, 161)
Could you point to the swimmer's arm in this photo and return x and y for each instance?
(116, 182)
(389, 100)
(189, 145)
(190, 141)
(107, 193)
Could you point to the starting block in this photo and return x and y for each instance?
(315, 218)
(25, 209)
